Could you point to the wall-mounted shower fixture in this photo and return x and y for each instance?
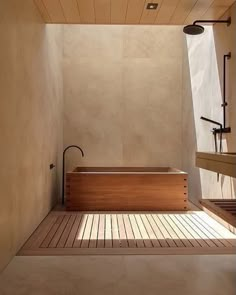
(195, 29)
(222, 129)
(63, 169)
(215, 131)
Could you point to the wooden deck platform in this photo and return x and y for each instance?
(73, 233)
(225, 209)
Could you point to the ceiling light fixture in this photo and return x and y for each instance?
(152, 6)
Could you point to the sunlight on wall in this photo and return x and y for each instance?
(206, 89)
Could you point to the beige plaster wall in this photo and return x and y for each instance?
(202, 96)
(30, 121)
(123, 95)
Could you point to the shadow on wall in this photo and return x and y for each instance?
(202, 96)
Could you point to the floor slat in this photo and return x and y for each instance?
(74, 229)
(87, 232)
(157, 231)
(164, 231)
(101, 231)
(185, 232)
(199, 234)
(196, 237)
(41, 232)
(52, 232)
(115, 232)
(137, 235)
(94, 232)
(171, 232)
(206, 232)
(129, 232)
(59, 232)
(123, 237)
(108, 234)
(143, 232)
(150, 231)
(178, 233)
(65, 235)
(215, 233)
(80, 232)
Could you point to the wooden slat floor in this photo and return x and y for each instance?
(76, 233)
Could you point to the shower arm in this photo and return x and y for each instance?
(228, 21)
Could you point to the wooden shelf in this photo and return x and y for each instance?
(223, 163)
(225, 209)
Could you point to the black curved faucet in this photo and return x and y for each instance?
(63, 168)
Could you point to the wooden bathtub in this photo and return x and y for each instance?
(126, 188)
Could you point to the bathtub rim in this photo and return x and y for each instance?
(127, 170)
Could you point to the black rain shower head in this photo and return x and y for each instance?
(195, 29)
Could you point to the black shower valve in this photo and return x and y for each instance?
(214, 130)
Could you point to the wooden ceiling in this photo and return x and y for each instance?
(171, 12)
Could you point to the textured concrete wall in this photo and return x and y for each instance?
(30, 122)
(123, 95)
(202, 96)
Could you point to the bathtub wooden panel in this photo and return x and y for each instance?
(91, 191)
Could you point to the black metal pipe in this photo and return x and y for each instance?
(228, 21)
(215, 141)
(63, 169)
(211, 121)
(224, 104)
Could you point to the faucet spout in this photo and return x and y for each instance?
(212, 121)
(63, 168)
(74, 146)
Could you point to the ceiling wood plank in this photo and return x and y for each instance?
(223, 2)
(118, 11)
(55, 11)
(149, 15)
(215, 12)
(71, 11)
(182, 11)
(134, 11)
(86, 9)
(218, 9)
(166, 11)
(102, 11)
(198, 10)
(43, 11)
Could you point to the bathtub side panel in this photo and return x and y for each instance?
(126, 192)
